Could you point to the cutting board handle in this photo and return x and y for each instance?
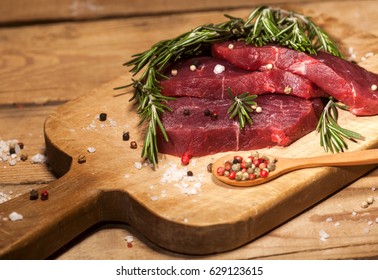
(47, 225)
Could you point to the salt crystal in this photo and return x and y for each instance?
(373, 189)
(370, 223)
(369, 54)
(336, 224)
(186, 220)
(17, 149)
(113, 123)
(138, 165)
(129, 238)
(12, 162)
(154, 198)
(354, 213)
(38, 158)
(329, 219)
(219, 69)
(3, 197)
(14, 216)
(366, 230)
(323, 235)
(376, 220)
(127, 176)
(91, 149)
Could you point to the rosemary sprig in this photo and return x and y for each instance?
(241, 107)
(287, 28)
(264, 25)
(332, 135)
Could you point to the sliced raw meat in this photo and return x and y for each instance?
(283, 120)
(212, 77)
(345, 81)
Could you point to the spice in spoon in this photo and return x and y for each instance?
(253, 167)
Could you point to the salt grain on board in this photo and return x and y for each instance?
(189, 185)
(3, 197)
(138, 165)
(38, 158)
(129, 238)
(91, 149)
(14, 216)
(323, 235)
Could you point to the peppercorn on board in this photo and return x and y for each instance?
(207, 217)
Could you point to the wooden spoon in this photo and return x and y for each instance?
(285, 165)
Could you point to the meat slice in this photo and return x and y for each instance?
(212, 77)
(347, 82)
(283, 120)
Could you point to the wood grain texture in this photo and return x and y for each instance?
(354, 238)
(43, 10)
(218, 219)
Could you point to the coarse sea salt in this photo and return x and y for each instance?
(323, 235)
(14, 216)
(38, 158)
(91, 149)
(129, 238)
(138, 165)
(4, 197)
(189, 185)
(219, 69)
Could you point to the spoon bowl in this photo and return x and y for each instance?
(286, 165)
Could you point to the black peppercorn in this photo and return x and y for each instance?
(214, 115)
(235, 161)
(207, 112)
(12, 150)
(209, 167)
(186, 112)
(126, 136)
(103, 117)
(81, 159)
(34, 195)
(189, 173)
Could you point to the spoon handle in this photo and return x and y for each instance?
(341, 159)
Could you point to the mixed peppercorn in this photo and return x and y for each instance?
(254, 166)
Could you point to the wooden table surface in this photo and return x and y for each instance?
(52, 53)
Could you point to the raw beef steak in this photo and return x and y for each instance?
(211, 77)
(347, 82)
(283, 120)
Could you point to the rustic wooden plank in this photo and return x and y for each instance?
(88, 54)
(101, 191)
(300, 235)
(43, 10)
(353, 251)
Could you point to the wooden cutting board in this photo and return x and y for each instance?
(192, 215)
